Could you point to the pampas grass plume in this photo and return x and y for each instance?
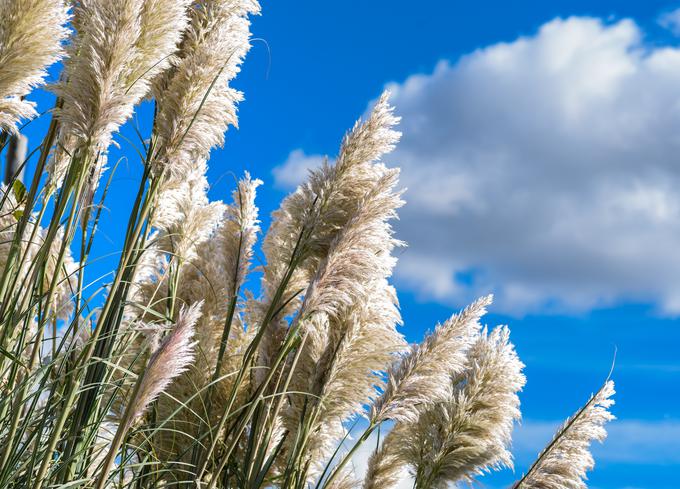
(564, 462)
(31, 34)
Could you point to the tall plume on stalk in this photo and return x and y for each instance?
(239, 232)
(468, 432)
(195, 105)
(195, 102)
(212, 273)
(463, 433)
(222, 245)
(215, 240)
(209, 244)
(564, 462)
(421, 376)
(118, 50)
(308, 222)
(31, 34)
(171, 359)
(349, 316)
(215, 276)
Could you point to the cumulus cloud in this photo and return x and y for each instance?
(545, 170)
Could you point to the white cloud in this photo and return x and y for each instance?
(671, 21)
(545, 170)
(295, 169)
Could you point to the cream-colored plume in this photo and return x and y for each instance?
(119, 49)
(463, 435)
(310, 220)
(359, 254)
(195, 102)
(238, 234)
(171, 359)
(469, 432)
(420, 377)
(332, 241)
(564, 462)
(31, 34)
(349, 316)
(217, 255)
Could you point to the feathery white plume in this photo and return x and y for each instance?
(162, 23)
(170, 360)
(359, 254)
(238, 234)
(119, 49)
(31, 34)
(222, 251)
(216, 260)
(173, 356)
(324, 204)
(186, 217)
(469, 432)
(349, 313)
(339, 369)
(195, 102)
(564, 462)
(420, 376)
(309, 221)
(385, 467)
(352, 321)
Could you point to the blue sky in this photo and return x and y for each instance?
(540, 156)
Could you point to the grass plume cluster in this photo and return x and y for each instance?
(174, 374)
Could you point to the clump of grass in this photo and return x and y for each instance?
(182, 378)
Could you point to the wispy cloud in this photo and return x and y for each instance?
(295, 169)
(671, 21)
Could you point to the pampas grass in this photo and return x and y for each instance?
(564, 462)
(31, 35)
(182, 371)
(468, 431)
